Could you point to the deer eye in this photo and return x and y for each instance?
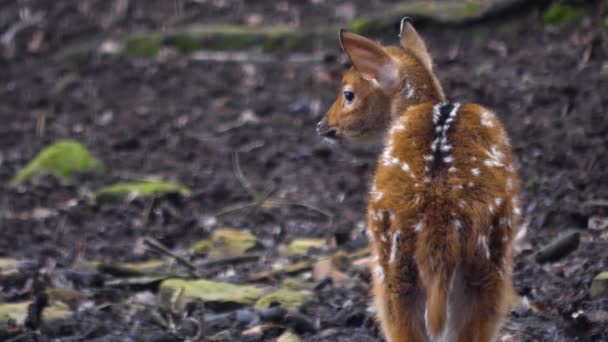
(349, 96)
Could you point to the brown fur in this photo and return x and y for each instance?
(441, 230)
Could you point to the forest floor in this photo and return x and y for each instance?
(182, 119)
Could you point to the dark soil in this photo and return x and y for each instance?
(183, 120)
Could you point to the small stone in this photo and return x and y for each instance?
(599, 286)
(288, 336)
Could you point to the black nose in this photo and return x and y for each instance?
(330, 133)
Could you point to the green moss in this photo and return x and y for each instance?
(559, 13)
(471, 8)
(226, 242)
(599, 286)
(13, 315)
(209, 291)
(142, 45)
(301, 246)
(231, 242)
(288, 299)
(62, 159)
(184, 43)
(203, 247)
(141, 189)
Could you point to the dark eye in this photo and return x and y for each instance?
(349, 96)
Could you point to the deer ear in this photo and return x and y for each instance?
(370, 59)
(411, 41)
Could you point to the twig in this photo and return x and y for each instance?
(559, 247)
(326, 213)
(156, 245)
(236, 166)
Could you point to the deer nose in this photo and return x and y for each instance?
(323, 127)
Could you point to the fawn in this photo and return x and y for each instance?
(443, 207)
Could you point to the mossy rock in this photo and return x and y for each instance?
(7, 264)
(288, 299)
(56, 311)
(62, 159)
(17, 313)
(8, 271)
(226, 242)
(288, 336)
(139, 189)
(133, 269)
(559, 13)
(296, 284)
(599, 286)
(301, 246)
(209, 291)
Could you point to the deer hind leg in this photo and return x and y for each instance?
(398, 296)
(487, 305)
(401, 313)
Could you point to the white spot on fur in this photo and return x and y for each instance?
(405, 167)
(394, 246)
(495, 157)
(516, 207)
(436, 112)
(457, 224)
(446, 148)
(448, 159)
(475, 171)
(471, 184)
(498, 201)
(434, 145)
(410, 90)
(418, 226)
(426, 317)
(509, 183)
(379, 273)
(462, 204)
(399, 126)
(483, 245)
(452, 169)
(375, 194)
(428, 157)
(486, 119)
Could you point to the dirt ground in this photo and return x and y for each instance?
(183, 120)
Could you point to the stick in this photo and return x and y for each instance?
(559, 247)
(156, 245)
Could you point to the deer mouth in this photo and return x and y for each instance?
(327, 132)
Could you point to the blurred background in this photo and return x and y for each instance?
(161, 178)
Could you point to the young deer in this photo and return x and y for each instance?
(443, 207)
